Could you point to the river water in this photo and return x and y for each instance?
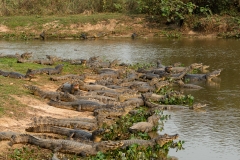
(210, 134)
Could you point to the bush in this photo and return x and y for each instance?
(168, 8)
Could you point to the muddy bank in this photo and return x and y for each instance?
(122, 26)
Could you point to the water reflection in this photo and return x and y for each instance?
(211, 134)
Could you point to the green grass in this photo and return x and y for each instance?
(24, 21)
(9, 64)
(12, 86)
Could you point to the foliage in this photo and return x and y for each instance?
(178, 145)
(217, 6)
(175, 98)
(172, 34)
(135, 152)
(48, 7)
(185, 99)
(175, 10)
(114, 5)
(29, 153)
(153, 7)
(120, 130)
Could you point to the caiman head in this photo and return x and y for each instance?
(84, 62)
(197, 106)
(180, 82)
(30, 74)
(163, 139)
(213, 74)
(97, 135)
(196, 65)
(168, 69)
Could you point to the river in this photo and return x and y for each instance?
(209, 134)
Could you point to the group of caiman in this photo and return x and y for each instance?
(115, 90)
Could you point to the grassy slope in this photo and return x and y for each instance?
(71, 26)
(29, 27)
(24, 21)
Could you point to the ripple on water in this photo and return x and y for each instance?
(206, 135)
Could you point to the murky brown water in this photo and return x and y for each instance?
(212, 134)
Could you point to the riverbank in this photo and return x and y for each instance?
(115, 25)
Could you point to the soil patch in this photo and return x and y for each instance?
(36, 108)
(3, 28)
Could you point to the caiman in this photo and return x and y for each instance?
(112, 94)
(43, 61)
(203, 77)
(146, 126)
(108, 70)
(42, 93)
(102, 76)
(75, 134)
(158, 84)
(67, 146)
(78, 62)
(15, 75)
(109, 81)
(50, 71)
(185, 71)
(109, 115)
(68, 77)
(100, 98)
(160, 140)
(26, 55)
(52, 95)
(158, 107)
(17, 55)
(72, 88)
(149, 76)
(53, 58)
(132, 76)
(78, 105)
(6, 135)
(139, 86)
(77, 123)
(153, 97)
(159, 64)
(93, 87)
(187, 86)
(4, 73)
(96, 62)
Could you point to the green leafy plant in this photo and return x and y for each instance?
(28, 153)
(176, 9)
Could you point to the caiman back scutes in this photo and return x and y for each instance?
(71, 133)
(69, 123)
